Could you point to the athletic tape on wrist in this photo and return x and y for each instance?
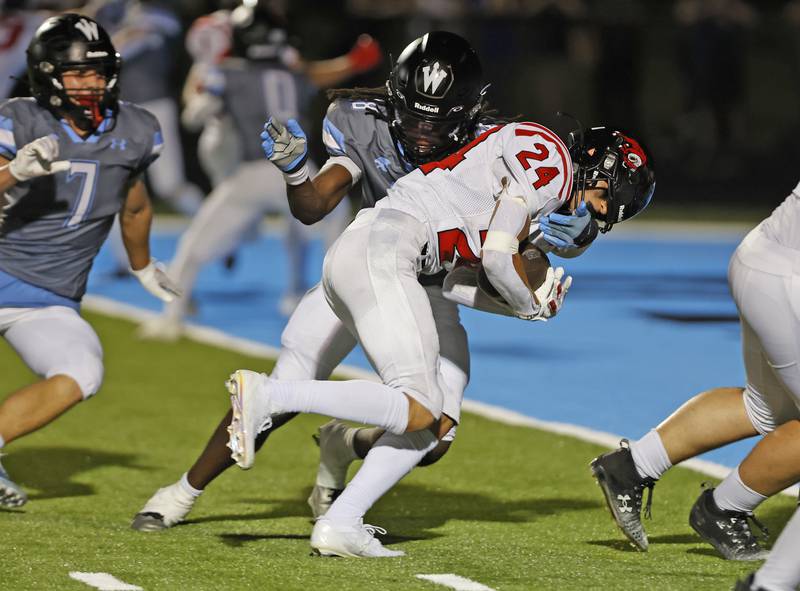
(498, 241)
(298, 177)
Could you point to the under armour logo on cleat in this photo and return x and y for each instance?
(623, 503)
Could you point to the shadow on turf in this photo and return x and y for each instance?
(432, 508)
(238, 540)
(625, 546)
(51, 469)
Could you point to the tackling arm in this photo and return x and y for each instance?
(315, 198)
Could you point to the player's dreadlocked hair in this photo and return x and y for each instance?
(358, 93)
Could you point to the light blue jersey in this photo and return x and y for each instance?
(55, 225)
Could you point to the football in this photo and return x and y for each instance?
(534, 263)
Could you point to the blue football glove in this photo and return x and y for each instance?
(285, 144)
(569, 231)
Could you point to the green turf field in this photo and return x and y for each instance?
(511, 508)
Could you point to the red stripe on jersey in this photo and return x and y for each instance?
(560, 147)
(456, 158)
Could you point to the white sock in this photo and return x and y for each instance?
(781, 571)
(734, 495)
(352, 400)
(391, 458)
(2, 442)
(184, 485)
(650, 457)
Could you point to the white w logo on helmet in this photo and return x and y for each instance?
(432, 77)
(89, 29)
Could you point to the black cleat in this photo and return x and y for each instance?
(623, 489)
(728, 531)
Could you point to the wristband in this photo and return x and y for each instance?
(298, 177)
(499, 241)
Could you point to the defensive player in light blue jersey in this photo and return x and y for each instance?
(72, 157)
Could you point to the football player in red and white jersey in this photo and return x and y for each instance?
(374, 137)
(475, 204)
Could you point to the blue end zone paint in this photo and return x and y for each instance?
(647, 324)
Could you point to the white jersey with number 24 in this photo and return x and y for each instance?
(455, 197)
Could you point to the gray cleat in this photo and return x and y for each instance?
(11, 494)
(623, 489)
(148, 522)
(728, 531)
(321, 499)
(167, 507)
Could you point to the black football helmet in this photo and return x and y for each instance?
(601, 153)
(435, 95)
(69, 42)
(259, 33)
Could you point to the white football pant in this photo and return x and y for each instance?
(370, 281)
(55, 340)
(315, 341)
(765, 281)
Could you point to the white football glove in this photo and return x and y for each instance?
(154, 279)
(38, 158)
(285, 144)
(550, 294)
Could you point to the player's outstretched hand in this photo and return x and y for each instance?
(38, 158)
(550, 295)
(285, 144)
(154, 279)
(569, 231)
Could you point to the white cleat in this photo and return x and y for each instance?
(357, 540)
(167, 507)
(11, 494)
(251, 414)
(336, 453)
(160, 329)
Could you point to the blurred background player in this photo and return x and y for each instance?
(74, 156)
(264, 75)
(208, 42)
(762, 277)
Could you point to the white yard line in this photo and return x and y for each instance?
(103, 581)
(218, 338)
(455, 582)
